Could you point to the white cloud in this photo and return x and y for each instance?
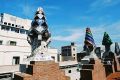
(112, 29)
(100, 4)
(78, 34)
(115, 25)
(104, 3)
(52, 7)
(27, 10)
(75, 35)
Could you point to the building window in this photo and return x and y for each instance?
(69, 71)
(73, 54)
(119, 60)
(17, 30)
(22, 31)
(13, 43)
(78, 70)
(73, 49)
(26, 31)
(22, 26)
(53, 57)
(5, 23)
(1, 42)
(12, 24)
(9, 24)
(74, 57)
(5, 76)
(2, 27)
(7, 28)
(16, 60)
(12, 28)
(15, 25)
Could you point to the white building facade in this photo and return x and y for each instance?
(14, 47)
(13, 34)
(71, 69)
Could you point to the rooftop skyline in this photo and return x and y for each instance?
(68, 19)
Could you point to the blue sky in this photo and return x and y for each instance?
(67, 19)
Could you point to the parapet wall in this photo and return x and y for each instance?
(42, 70)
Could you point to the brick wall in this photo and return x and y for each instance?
(42, 70)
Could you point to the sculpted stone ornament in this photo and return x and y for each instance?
(107, 42)
(39, 37)
(108, 56)
(89, 43)
(117, 49)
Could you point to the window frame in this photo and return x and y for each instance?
(14, 43)
(17, 60)
(22, 31)
(3, 27)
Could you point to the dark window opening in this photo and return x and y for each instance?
(16, 60)
(12, 24)
(2, 27)
(15, 25)
(53, 57)
(22, 26)
(17, 30)
(13, 43)
(7, 28)
(119, 60)
(69, 71)
(5, 23)
(26, 31)
(77, 70)
(74, 57)
(12, 29)
(4, 76)
(69, 53)
(22, 31)
(9, 24)
(1, 42)
(73, 49)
